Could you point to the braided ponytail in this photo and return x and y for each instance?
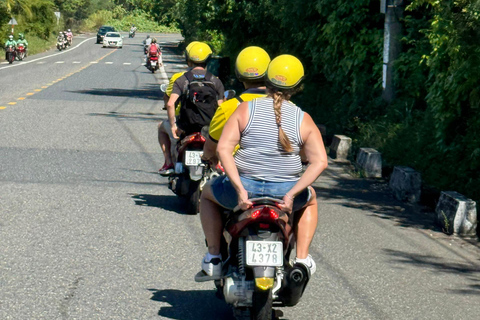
(278, 98)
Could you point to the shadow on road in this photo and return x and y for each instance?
(438, 265)
(130, 116)
(166, 202)
(151, 92)
(191, 305)
(375, 198)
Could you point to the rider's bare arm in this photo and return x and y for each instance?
(229, 139)
(314, 151)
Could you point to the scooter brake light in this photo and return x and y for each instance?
(273, 214)
(256, 214)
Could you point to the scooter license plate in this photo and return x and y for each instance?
(193, 158)
(265, 253)
(154, 63)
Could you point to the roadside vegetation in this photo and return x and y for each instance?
(432, 125)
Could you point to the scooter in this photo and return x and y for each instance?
(60, 45)
(20, 51)
(257, 273)
(153, 64)
(131, 34)
(10, 54)
(189, 168)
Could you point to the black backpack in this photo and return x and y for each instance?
(199, 102)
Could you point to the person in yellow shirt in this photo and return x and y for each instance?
(250, 68)
(164, 128)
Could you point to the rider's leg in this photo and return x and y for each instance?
(306, 226)
(164, 141)
(210, 216)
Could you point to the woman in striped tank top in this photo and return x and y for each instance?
(271, 132)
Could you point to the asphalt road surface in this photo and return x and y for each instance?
(89, 230)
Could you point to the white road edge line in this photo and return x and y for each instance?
(163, 73)
(52, 55)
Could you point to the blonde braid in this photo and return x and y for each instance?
(278, 98)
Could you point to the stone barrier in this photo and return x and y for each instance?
(406, 184)
(340, 147)
(370, 162)
(456, 214)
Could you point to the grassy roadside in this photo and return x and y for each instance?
(38, 45)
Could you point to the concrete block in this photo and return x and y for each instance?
(340, 147)
(456, 214)
(370, 162)
(406, 184)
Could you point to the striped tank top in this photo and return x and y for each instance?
(261, 156)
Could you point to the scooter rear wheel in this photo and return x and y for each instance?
(262, 308)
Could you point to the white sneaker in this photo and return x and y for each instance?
(308, 262)
(212, 268)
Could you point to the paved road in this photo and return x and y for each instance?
(88, 230)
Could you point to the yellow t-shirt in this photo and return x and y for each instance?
(226, 109)
(168, 92)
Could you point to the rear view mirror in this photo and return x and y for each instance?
(163, 87)
(229, 94)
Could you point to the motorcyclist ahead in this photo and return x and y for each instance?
(271, 131)
(164, 130)
(153, 50)
(250, 68)
(22, 40)
(10, 42)
(200, 93)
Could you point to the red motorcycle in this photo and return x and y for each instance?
(10, 54)
(257, 273)
(189, 170)
(20, 51)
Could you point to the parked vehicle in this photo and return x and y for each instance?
(20, 51)
(257, 273)
(10, 53)
(102, 32)
(113, 40)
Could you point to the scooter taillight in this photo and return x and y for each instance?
(265, 212)
(196, 138)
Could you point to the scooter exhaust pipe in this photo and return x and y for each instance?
(293, 285)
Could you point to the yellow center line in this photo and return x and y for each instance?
(30, 94)
(37, 90)
(1, 108)
(21, 98)
(44, 87)
(12, 103)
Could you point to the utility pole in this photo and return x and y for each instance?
(393, 10)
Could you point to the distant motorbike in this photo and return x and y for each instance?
(153, 64)
(10, 54)
(61, 44)
(20, 51)
(131, 34)
(257, 273)
(69, 40)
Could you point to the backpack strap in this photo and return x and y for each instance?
(240, 100)
(189, 76)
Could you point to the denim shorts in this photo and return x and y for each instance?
(227, 197)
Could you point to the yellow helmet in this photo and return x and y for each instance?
(199, 52)
(190, 45)
(252, 63)
(285, 72)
